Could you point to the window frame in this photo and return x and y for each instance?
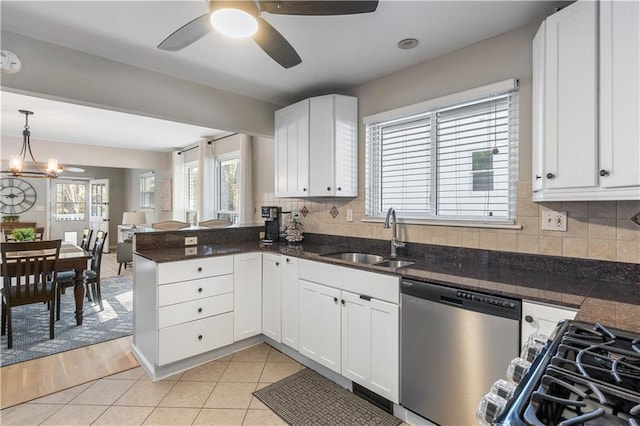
(188, 168)
(430, 113)
(82, 204)
(222, 213)
(143, 178)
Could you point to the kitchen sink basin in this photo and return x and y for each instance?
(394, 263)
(355, 257)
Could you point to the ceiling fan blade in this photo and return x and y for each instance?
(275, 45)
(314, 7)
(187, 34)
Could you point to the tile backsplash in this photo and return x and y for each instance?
(595, 229)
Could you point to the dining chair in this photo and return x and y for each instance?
(215, 223)
(29, 273)
(86, 238)
(124, 254)
(39, 233)
(90, 277)
(170, 225)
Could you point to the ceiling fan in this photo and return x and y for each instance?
(263, 33)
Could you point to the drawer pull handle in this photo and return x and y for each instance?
(551, 176)
(199, 310)
(200, 269)
(335, 299)
(200, 290)
(200, 337)
(528, 319)
(277, 263)
(604, 173)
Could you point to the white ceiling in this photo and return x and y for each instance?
(337, 51)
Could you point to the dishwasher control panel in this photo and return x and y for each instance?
(490, 300)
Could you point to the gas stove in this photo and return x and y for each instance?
(586, 374)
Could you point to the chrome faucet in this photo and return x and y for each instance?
(395, 244)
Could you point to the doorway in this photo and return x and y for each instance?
(69, 208)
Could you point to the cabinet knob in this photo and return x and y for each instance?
(288, 260)
(200, 290)
(200, 269)
(335, 299)
(199, 310)
(328, 188)
(277, 263)
(343, 302)
(304, 189)
(200, 337)
(604, 173)
(339, 188)
(528, 319)
(538, 177)
(550, 176)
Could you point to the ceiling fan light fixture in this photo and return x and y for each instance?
(234, 23)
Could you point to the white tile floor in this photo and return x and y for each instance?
(217, 393)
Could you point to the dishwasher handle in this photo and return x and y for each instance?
(451, 301)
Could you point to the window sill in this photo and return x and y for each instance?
(460, 224)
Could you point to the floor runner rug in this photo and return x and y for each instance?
(307, 398)
(31, 323)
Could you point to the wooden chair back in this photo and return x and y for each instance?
(96, 252)
(169, 225)
(29, 270)
(39, 233)
(86, 238)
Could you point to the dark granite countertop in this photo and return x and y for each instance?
(613, 302)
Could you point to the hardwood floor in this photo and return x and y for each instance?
(33, 379)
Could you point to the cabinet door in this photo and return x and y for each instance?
(320, 324)
(321, 146)
(370, 344)
(540, 318)
(571, 118)
(537, 140)
(247, 290)
(292, 150)
(290, 302)
(271, 296)
(620, 93)
(346, 146)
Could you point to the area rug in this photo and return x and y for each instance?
(307, 398)
(31, 323)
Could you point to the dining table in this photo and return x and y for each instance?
(74, 257)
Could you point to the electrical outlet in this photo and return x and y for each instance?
(190, 251)
(190, 241)
(554, 221)
(349, 215)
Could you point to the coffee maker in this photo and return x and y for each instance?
(271, 216)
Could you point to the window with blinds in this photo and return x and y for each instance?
(147, 191)
(447, 161)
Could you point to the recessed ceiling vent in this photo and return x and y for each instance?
(407, 43)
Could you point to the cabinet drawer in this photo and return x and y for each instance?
(378, 286)
(192, 269)
(192, 290)
(193, 338)
(194, 310)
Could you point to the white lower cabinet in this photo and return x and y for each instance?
(290, 291)
(542, 318)
(370, 341)
(247, 292)
(320, 324)
(271, 296)
(347, 331)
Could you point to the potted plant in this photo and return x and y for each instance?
(10, 218)
(24, 234)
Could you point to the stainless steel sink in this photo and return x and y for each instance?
(355, 257)
(394, 263)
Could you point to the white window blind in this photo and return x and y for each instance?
(448, 161)
(147, 191)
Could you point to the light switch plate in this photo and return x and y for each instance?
(190, 241)
(554, 221)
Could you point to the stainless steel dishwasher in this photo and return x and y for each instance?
(454, 345)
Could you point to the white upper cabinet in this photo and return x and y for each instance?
(292, 150)
(586, 143)
(620, 94)
(317, 148)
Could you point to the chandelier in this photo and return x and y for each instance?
(17, 162)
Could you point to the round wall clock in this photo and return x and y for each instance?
(16, 195)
